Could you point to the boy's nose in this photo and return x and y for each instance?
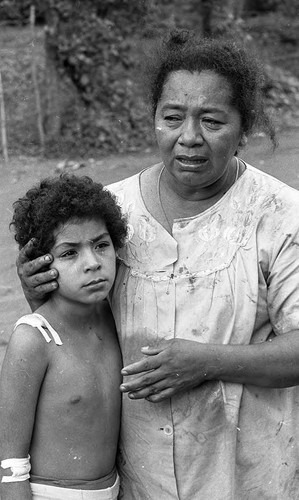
(91, 261)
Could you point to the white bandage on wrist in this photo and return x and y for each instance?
(20, 468)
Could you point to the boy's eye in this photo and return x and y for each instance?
(102, 245)
(68, 253)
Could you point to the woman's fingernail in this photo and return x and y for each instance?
(47, 258)
(122, 387)
(124, 372)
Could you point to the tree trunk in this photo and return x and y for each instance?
(35, 84)
(52, 85)
(219, 15)
(3, 123)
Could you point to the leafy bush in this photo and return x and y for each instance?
(92, 42)
(263, 5)
(18, 11)
(289, 8)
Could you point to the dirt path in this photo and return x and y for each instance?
(24, 172)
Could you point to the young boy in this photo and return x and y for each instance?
(59, 388)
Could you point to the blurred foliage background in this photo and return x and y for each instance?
(83, 60)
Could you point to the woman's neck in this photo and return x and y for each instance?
(207, 194)
(168, 203)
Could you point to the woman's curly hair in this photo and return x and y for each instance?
(58, 200)
(184, 50)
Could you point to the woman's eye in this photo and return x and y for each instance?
(172, 118)
(211, 123)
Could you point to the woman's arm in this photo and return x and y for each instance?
(36, 279)
(178, 365)
(23, 370)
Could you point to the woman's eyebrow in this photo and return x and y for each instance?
(203, 109)
(170, 105)
(211, 109)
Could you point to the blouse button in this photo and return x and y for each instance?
(168, 430)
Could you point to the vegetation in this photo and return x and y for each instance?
(88, 55)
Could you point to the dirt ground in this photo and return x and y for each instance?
(23, 172)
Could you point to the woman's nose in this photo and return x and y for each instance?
(191, 133)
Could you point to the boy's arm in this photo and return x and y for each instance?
(23, 371)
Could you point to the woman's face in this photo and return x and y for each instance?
(197, 128)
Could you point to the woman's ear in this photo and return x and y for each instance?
(243, 140)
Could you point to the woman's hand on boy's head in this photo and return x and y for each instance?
(35, 280)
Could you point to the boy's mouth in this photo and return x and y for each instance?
(95, 282)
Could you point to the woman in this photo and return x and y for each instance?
(207, 289)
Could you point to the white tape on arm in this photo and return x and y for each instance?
(20, 468)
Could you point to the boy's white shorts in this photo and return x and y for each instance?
(45, 492)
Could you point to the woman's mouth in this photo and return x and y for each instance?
(191, 161)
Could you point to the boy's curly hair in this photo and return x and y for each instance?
(57, 200)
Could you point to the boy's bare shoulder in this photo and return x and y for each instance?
(26, 340)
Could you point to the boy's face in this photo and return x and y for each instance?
(85, 258)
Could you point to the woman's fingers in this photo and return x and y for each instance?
(25, 253)
(147, 363)
(27, 267)
(161, 396)
(36, 278)
(35, 266)
(37, 282)
(43, 279)
(146, 392)
(25, 258)
(47, 285)
(144, 365)
(139, 383)
(151, 351)
(155, 391)
(149, 377)
(174, 366)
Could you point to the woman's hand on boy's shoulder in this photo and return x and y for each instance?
(36, 280)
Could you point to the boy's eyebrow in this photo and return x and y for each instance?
(101, 236)
(74, 243)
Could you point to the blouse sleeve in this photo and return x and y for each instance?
(283, 277)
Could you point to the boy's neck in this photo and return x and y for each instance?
(71, 314)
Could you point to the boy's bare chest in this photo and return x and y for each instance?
(84, 378)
